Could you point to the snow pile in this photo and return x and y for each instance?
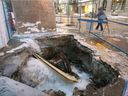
(17, 48)
(10, 65)
(26, 44)
(31, 27)
(117, 17)
(2, 53)
(32, 44)
(45, 78)
(9, 87)
(28, 24)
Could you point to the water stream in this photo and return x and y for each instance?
(36, 71)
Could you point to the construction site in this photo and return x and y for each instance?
(64, 48)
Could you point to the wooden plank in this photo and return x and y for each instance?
(65, 75)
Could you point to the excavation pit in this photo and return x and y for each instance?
(69, 55)
(57, 48)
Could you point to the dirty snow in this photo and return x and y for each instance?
(2, 53)
(116, 17)
(28, 24)
(9, 87)
(46, 78)
(33, 29)
(27, 32)
(27, 42)
(116, 39)
(10, 65)
(17, 48)
(31, 43)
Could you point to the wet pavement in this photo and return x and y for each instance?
(117, 35)
(116, 41)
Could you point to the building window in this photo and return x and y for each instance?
(118, 4)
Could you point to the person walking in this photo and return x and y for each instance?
(101, 16)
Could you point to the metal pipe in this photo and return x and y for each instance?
(80, 4)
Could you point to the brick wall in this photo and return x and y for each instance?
(34, 10)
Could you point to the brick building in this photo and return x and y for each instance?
(33, 11)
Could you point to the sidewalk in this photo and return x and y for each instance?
(118, 35)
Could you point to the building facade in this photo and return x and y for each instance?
(3, 28)
(118, 6)
(33, 11)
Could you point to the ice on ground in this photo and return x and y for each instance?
(33, 29)
(116, 17)
(9, 87)
(84, 79)
(46, 78)
(9, 65)
(17, 48)
(31, 43)
(2, 53)
(116, 39)
(27, 32)
(27, 42)
(28, 24)
(38, 22)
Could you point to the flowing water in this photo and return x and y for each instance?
(49, 79)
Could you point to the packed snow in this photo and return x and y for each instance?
(9, 87)
(27, 42)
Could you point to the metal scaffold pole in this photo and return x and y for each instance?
(80, 4)
(68, 14)
(92, 16)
